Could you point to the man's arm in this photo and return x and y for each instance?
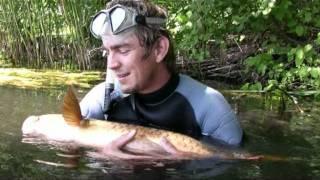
(92, 103)
(228, 130)
(220, 121)
(213, 113)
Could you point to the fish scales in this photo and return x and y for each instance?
(181, 142)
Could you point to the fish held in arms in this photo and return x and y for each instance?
(70, 127)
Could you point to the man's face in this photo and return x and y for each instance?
(126, 58)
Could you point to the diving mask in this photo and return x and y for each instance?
(120, 18)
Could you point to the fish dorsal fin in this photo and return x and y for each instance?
(71, 110)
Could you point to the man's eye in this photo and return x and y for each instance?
(124, 51)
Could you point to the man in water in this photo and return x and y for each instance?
(148, 91)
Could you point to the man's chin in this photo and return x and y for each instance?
(127, 90)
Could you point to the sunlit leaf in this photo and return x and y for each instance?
(307, 48)
(257, 86)
(303, 72)
(315, 72)
(245, 86)
(299, 57)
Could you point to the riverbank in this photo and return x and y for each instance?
(48, 79)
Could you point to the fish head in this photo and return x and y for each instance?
(48, 126)
(44, 125)
(29, 125)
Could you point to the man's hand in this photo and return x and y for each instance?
(114, 150)
(173, 152)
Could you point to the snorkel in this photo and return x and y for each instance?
(109, 87)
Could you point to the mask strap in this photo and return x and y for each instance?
(155, 21)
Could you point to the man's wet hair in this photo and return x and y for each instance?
(148, 35)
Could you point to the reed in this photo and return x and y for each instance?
(47, 33)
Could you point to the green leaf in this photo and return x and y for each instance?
(317, 23)
(307, 48)
(291, 23)
(245, 86)
(279, 14)
(315, 72)
(299, 57)
(318, 39)
(271, 85)
(299, 30)
(307, 17)
(303, 72)
(257, 86)
(262, 69)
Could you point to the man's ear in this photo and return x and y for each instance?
(161, 48)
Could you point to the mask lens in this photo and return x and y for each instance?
(99, 24)
(117, 16)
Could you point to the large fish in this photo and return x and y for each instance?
(70, 127)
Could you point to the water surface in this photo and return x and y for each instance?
(267, 131)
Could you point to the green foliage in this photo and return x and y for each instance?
(285, 32)
(290, 48)
(296, 70)
(198, 25)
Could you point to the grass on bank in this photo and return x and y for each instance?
(47, 79)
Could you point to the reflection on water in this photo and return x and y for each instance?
(267, 131)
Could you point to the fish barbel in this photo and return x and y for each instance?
(70, 127)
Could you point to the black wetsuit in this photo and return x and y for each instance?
(183, 105)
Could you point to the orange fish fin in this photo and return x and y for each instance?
(71, 109)
(84, 123)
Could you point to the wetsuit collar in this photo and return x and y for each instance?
(162, 93)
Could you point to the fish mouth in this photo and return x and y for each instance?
(28, 126)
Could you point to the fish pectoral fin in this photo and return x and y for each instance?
(71, 109)
(145, 147)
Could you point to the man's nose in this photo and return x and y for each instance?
(112, 61)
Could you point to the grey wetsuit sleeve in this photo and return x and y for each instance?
(213, 113)
(220, 122)
(92, 103)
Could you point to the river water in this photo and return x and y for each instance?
(285, 133)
